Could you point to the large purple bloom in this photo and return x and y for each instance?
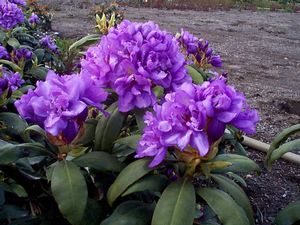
(224, 105)
(198, 51)
(138, 53)
(194, 116)
(60, 104)
(10, 15)
(180, 121)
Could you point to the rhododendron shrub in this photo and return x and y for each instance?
(140, 129)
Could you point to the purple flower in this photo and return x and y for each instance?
(198, 51)
(224, 105)
(60, 104)
(179, 122)
(48, 43)
(10, 15)
(10, 81)
(22, 54)
(140, 54)
(3, 53)
(246, 120)
(14, 79)
(3, 85)
(18, 2)
(33, 19)
(194, 116)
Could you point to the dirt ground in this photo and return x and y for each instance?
(261, 52)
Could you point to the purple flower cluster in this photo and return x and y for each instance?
(198, 51)
(3, 53)
(60, 104)
(48, 43)
(10, 15)
(33, 19)
(194, 116)
(21, 54)
(9, 81)
(132, 59)
(18, 2)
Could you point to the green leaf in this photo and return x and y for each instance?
(88, 134)
(125, 146)
(239, 164)
(176, 205)
(196, 76)
(129, 175)
(14, 188)
(9, 153)
(148, 183)
(13, 124)
(85, 41)
(14, 67)
(101, 161)
(130, 213)
(139, 117)
(282, 137)
(2, 36)
(39, 73)
(69, 190)
(94, 213)
(237, 193)
(13, 42)
(237, 179)
(108, 129)
(40, 54)
(287, 147)
(227, 210)
(289, 215)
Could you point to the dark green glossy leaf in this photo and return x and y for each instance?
(88, 134)
(108, 129)
(227, 210)
(176, 205)
(69, 190)
(39, 73)
(289, 215)
(101, 161)
(148, 183)
(14, 188)
(94, 213)
(239, 164)
(129, 175)
(237, 193)
(130, 213)
(8, 153)
(125, 146)
(12, 124)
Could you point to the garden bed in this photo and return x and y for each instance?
(261, 52)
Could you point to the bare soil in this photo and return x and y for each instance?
(261, 52)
